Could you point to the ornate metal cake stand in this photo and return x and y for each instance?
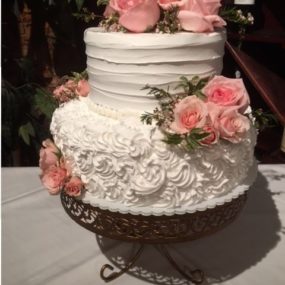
(156, 230)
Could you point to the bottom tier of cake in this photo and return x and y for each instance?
(123, 162)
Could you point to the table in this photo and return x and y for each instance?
(41, 245)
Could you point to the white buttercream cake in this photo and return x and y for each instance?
(124, 162)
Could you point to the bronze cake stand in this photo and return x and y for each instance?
(156, 230)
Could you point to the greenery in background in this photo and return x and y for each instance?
(264, 120)
(26, 115)
(27, 104)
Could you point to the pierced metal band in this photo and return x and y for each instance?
(152, 229)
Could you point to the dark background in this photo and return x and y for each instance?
(42, 40)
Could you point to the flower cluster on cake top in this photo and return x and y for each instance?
(142, 15)
(168, 16)
(202, 113)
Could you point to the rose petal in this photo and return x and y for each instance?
(212, 6)
(216, 21)
(82, 88)
(191, 21)
(141, 17)
(109, 11)
(195, 6)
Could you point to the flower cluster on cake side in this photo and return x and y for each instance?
(202, 113)
(56, 173)
(72, 87)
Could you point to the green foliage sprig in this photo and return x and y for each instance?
(193, 86)
(236, 16)
(86, 16)
(111, 24)
(264, 120)
(102, 2)
(190, 141)
(169, 23)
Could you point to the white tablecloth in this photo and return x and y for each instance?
(41, 245)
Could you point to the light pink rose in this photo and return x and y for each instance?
(189, 113)
(227, 92)
(232, 125)
(135, 15)
(53, 179)
(196, 15)
(82, 88)
(48, 154)
(214, 112)
(213, 135)
(73, 187)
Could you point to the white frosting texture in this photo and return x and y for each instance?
(121, 160)
(120, 64)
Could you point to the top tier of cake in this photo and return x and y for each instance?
(120, 64)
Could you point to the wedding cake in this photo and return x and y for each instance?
(160, 129)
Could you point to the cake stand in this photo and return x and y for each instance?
(158, 230)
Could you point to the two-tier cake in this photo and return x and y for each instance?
(129, 166)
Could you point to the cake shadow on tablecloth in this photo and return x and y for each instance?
(222, 256)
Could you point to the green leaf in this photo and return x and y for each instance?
(44, 102)
(197, 134)
(158, 93)
(186, 85)
(202, 83)
(200, 94)
(173, 139)
(199, 137)
(147, 118)
(264, 119)
(79, 4)
(102, 2)
(26, 131)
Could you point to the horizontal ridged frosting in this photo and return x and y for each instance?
(120, 64)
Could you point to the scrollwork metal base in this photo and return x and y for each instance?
(152, 229)
(156, 230)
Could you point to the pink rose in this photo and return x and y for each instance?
(213, 135)
(196, 15)
(135, 15)
(73, 187)
(53, 179)
(189, 113)
(227, 92)
(48, 154)
(232, 125)
(82, 88)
